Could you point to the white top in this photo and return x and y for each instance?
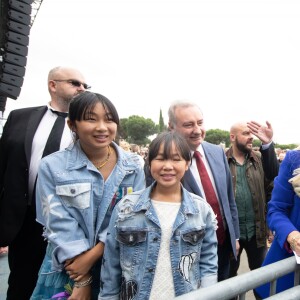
(163, 285)
(39, 143)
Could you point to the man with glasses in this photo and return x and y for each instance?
(28, 135)
(74, 83)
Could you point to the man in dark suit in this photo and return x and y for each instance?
(187, 119)
(22, 146)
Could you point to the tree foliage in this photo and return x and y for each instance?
(217, 136)
(162, 127)
(123, 128)
(136, 129)
(257, 143)
(286, 146)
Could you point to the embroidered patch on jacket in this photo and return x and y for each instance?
(185, 265)
(128, 289)
(122, 191)
(49, 208)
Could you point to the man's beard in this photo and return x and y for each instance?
(65, 101)
(243, 148)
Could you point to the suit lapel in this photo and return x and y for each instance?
(33, 123)
(210, 156)
(215, 166)
(190, 183)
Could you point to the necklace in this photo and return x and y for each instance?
(104, 162)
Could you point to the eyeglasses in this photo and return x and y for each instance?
(74, 83)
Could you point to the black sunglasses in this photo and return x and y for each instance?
(74, 83)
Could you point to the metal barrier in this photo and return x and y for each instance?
(239, 285)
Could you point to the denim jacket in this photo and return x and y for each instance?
(133, 242)
(74, 203)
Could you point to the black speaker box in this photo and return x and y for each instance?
(15, 22)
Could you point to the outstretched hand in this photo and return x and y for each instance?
(264, 133)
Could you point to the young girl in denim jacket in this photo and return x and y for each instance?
(161, 241)
(76, 191)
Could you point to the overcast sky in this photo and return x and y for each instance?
(239, 60)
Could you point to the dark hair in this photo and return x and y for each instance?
(83, 104)
(167, 139)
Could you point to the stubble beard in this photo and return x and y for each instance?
(64, 102)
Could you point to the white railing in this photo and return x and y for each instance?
(239, 285)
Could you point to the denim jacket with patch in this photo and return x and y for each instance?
(133, 242)
(74, 203)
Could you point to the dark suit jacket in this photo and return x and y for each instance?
(217, 161)
(15, 152)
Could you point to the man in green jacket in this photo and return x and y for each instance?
(251, 172)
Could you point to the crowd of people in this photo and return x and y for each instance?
(85, 217)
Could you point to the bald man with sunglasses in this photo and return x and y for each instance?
(25, 137)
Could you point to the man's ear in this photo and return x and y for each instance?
(51, 85)
(170, 127)
(232, 137)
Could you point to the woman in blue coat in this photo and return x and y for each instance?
(284, 219)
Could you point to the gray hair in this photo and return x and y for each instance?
(179, 104)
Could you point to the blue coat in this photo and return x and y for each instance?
(283, 218)
(217, 161)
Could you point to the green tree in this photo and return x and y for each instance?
(256, 143)
(162, 127)
(123, 128)
(137, 129)
(286, 146)
(217, 136)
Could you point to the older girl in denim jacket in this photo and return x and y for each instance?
(161, 241)
(76, 191)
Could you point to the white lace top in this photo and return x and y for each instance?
(163, 285)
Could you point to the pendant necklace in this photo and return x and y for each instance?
(103, 163)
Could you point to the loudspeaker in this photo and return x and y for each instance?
(15, 22)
